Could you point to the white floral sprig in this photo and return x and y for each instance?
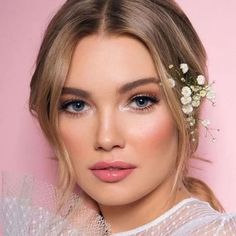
(193, 90)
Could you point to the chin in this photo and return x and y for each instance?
(118, 201)
(113, 198)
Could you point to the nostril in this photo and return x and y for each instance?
(106, 147)
(103, 148)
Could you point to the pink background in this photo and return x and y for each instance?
(23, 148)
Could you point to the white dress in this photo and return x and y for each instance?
(27, 208)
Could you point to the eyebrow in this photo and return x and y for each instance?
(123, 89)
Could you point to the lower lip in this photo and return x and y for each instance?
(112, 176)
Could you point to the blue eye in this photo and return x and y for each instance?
(73, 106)
(144, 102)
(77, 106)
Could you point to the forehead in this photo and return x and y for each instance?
(102, 60)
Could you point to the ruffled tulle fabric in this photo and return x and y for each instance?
(30, 208)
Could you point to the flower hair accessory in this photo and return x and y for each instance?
(193, 89)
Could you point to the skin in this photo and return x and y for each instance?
(110, 126)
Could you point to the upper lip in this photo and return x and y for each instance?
(114, 164)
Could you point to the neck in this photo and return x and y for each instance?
(144, 210)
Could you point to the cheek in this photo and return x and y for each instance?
(157, 133)
(74, 136)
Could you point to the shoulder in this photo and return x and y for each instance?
(226, 224)
(223, 224)
(212, 222)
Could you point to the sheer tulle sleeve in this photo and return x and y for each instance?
(223, 224)
(29, 207)
(227, 226)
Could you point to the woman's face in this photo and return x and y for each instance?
(112, 110)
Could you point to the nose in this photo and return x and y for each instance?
(108, 132)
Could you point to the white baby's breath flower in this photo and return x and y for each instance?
(186, 100)
(211, 95)
(186, 91)
(187, 109)
(203, 93)
(171, 66)
(184, 67)
(201, 80)
(191, 121)
(196, 98)
(205, 123)
(171, 82)
(196, 103)
(195, 88)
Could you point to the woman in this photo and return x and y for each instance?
(117, 91)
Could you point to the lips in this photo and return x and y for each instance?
(112, 165)
(112, 172)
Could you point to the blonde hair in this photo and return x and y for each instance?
(161, 26)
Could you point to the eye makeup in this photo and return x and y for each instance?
(138, 102)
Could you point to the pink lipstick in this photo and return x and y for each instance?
(113, 171)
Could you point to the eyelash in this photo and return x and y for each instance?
(149, 97)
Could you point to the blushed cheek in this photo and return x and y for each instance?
(157, 135)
